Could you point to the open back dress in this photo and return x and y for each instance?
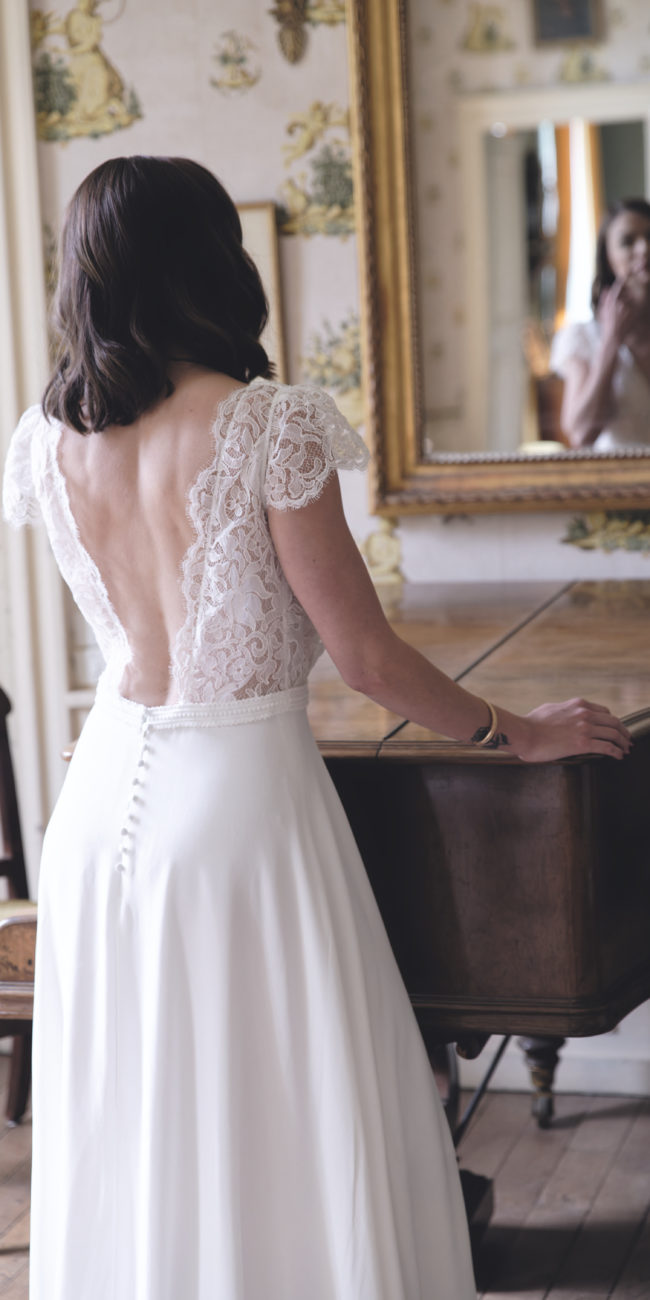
(231, 1097)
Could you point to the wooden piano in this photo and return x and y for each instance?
(516, 896)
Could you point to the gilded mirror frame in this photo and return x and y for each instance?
(401, 480)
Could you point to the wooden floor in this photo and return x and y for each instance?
(572, 1208)
(15, 1165)
(572, 1211)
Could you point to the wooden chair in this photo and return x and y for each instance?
(17, 934)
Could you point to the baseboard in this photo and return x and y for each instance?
(627, 1075)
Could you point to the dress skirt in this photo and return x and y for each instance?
(232, 1100)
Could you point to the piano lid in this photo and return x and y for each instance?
(452, 624)
(592, 640)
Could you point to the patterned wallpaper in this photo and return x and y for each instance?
(212, 79)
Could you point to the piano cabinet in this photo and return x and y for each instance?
(516, 896)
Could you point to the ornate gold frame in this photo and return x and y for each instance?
(402, 481)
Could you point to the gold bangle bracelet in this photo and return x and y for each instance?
(493, 728)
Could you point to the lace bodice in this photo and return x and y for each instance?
(245, 633)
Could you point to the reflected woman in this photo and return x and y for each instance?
(605, 362)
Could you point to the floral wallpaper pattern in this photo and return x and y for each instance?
(488, 29)
(611, 530)
(293, 16)
(334, 362)
(330, 12)
(234, 71)
(321, 201)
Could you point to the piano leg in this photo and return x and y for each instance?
(542, 1056)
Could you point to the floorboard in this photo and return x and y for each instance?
(571, 1204)
(15, 1162)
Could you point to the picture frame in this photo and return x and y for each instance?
(565, 22)
(260, 238)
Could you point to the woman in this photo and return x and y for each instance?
(231, 1097)
(605, 362)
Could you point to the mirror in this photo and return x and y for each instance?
(478, 428)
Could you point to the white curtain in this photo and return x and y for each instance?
(586, 204)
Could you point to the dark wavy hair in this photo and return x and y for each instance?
(604, 276)
(152, 269)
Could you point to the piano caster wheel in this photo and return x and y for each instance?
(542, 1056)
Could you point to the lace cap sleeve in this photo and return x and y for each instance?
(308, 440)
(19, 502)
(575, 342)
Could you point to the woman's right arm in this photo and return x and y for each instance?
(329, 578)
(587, 400)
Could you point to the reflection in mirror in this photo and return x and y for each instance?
(540, 170)
(547, 190)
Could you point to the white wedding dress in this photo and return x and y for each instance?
(232, 1100)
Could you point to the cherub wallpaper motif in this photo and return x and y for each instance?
(319, 201)
(77, 89)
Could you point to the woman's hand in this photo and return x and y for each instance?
(619, 310)
(573, 727)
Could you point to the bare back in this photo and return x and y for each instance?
(128, 490)
(163, 532)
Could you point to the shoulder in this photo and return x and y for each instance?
(301, 413)
(578, 341)
(304, 411)
(22, 468)
(31, 420)
(309, 439)
(31, 433)
(289, 397)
